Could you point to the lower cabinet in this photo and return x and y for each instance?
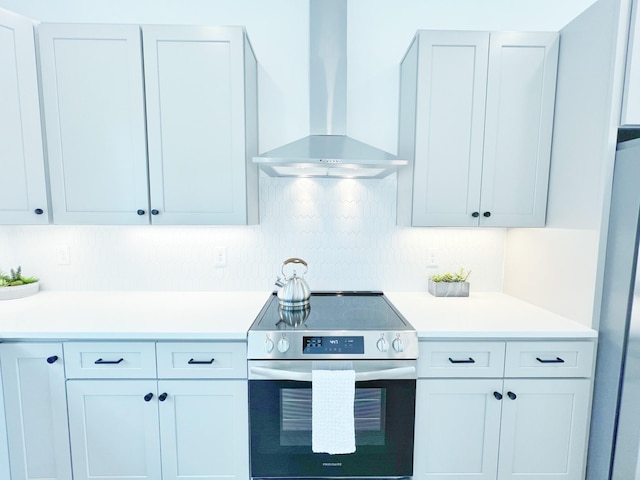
(457, 429)
(172, 429)
(535, 428)
(125, 410)
(33, 385)
(174, 410)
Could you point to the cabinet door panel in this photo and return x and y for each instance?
(22, 174)
(450, 127)
(36, 411)
(519, 120)
(457, 429)
(114, 430)
(544, 429)
(94, 118)
(204, 429)
(195, 103)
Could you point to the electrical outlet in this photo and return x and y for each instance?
(63, 255)
(433, 256)
(220, 257)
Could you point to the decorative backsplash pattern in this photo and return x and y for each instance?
(344, 229)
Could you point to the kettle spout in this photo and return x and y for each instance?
(279, 282)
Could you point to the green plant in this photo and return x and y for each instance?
(15, 278)
(460, 276)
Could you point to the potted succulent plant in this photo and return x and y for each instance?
(450, 284)
(15, 285)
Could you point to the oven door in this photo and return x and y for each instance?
(280, 420)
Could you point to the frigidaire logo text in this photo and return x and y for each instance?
(331, 464)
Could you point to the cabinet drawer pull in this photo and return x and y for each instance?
(200, 362)
(52, 359)
(469, 360)
(148, 397)
(498, 395)
(512, 395)
(108, 362)
(553, 360)
(163, 396)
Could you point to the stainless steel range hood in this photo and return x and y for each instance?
(328, 152)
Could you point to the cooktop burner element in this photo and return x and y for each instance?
(335, 325)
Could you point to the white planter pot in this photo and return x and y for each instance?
(448, 289)
(19, 291)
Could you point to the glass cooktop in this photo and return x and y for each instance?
(334, 311)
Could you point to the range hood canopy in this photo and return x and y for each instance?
(328, 151)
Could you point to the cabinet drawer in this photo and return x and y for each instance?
(461, 359)
(110, 359)
(549, 359)
(202, 360)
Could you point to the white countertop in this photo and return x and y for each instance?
(131, 315)
(228, 315)
(482, 315)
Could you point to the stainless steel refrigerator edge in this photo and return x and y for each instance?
(615, 426)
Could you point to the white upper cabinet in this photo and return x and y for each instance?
(22, 170)
(476, 117)
(197, 120)
(95, 123)
(199, 143)
(631, 99)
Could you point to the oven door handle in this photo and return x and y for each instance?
(387, 374)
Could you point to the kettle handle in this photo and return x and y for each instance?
(295, 260)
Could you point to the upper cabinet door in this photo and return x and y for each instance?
(476, 117)
(22, 172)
(93, 99)
(195, 80)
(519, 121)
(449, 127)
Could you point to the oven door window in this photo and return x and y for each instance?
(280, 422)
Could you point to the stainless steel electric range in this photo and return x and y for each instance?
(357, 331)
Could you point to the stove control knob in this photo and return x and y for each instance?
(268, 345)
(398, 344)
(382, 344)
(283, 345)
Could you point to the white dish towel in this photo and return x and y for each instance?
(332, 420)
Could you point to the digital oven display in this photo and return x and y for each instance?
(330, 345)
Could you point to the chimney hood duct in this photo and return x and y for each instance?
(328, 152)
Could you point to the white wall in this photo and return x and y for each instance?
(557, 267)
(346, 231)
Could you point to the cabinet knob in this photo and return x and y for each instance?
(141, 212)
(148, 397)
(155, 212)
(486, 214)
(38, 211)
(498, 395)
(511, 395)
(163, 396)
(475, 214)
(52, 359)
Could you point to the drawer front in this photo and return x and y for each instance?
(549, 359)
(110, 359)
(202, 360)
(461, 359)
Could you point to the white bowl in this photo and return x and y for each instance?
(19, 291)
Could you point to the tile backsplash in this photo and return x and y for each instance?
(344, 229)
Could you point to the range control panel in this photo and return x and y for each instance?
(311, 345)
(332, 345)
